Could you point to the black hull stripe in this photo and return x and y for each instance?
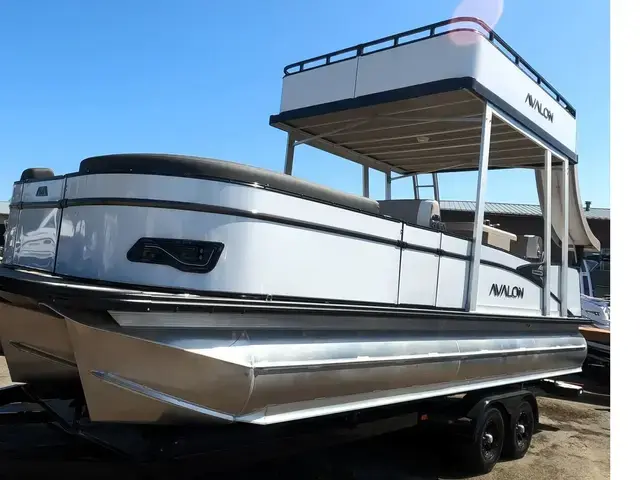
(96, 295)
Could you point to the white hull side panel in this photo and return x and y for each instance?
(462, 246)
(292, 250)
(11, 235)
(36, 238)
(454, 273)
(33, 243)
(43, 191)
(253, 199)
(493, 298)
(259, 257)
(419, 271)
(418, 278)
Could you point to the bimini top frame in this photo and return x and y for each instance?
(428, 101)
(413, 102)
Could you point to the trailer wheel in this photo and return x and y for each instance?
(486, 448)
(518, 440)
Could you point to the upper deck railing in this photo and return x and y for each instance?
(422, 33)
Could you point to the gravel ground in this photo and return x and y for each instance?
(573, 443)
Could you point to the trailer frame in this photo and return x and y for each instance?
(458, 419)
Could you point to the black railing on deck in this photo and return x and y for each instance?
(396, 40)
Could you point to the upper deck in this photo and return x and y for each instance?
(413, 102)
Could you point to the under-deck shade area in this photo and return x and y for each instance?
(433, 133)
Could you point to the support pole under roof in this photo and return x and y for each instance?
(546, 301)
(288, 161)
(565, 240)
(387, 186)
(478, 225)
(365, 181)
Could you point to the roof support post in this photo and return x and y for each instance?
(416, 189)
(387, 186)
(288, 159)
(365, 181)
(565, 240)
(478, 225)
(436, 187)
(546, 300)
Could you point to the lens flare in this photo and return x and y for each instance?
(489, 11)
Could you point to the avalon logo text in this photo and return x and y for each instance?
(506, 291)
(536, 105)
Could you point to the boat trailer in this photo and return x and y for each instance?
(483, 425)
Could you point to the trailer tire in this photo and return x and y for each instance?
(518, 438)
(486, 448)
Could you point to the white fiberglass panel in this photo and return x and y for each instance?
(421, 237)
(574, 303)
(502, 257)
(461, 246)
(259, 257)
(16, 194)
(419, 269)
(451, 56)
(455, 245)
(452, 282)
(36, 237)
(418, 278)
(501, 290)
(320, 85)
(453, 273)
(503, 78)
(43, 190)
(223, 194)
(426, 61)
(10, 235)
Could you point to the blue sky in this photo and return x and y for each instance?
(81, 78)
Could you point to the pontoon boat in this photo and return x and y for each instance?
(171, 289)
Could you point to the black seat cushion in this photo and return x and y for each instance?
(36, 174)
(212, 169)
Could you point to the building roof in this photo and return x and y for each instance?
(516, 209)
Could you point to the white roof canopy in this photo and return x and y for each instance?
(416, 106)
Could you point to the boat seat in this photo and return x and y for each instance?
(213, 169)
(491, 236)
(425, 213)
(36, 174)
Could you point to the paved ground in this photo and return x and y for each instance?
(573, 444)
